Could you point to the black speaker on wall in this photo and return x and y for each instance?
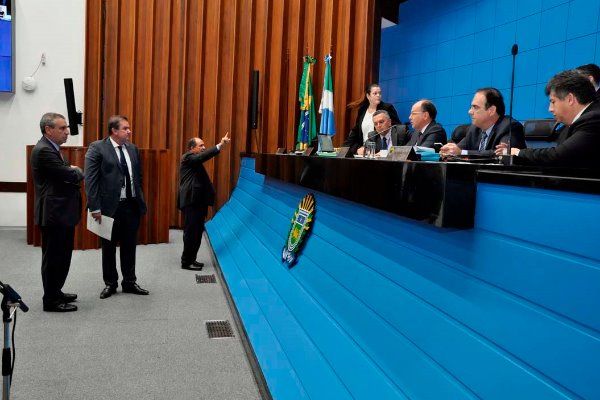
(254, 101)
(74, 116)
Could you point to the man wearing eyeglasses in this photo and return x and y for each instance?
(57, 209)
(426, 131)
(113, 185)
(489, 128)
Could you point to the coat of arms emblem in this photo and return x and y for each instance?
(301, 224)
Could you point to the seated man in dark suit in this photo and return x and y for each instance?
(385, 135)
(426, 130)
(572, 102)
(490, 127)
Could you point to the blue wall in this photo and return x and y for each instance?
(383, 307)
(444, 50)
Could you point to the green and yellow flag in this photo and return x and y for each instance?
(307, 128)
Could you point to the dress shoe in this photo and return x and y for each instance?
(198, 264)
(69, 297)
(60, 307)
(135, 289)
(107, 292)
(193, 267)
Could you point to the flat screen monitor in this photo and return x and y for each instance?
(7, 46)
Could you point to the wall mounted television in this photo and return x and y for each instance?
(7, 46)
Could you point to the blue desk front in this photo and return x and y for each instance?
(380, 306)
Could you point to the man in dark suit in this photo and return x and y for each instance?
(196, 193)
(572, 102)
(426, 131)
(385, 135)
(113, 183)
(57, 209)
(489, 128)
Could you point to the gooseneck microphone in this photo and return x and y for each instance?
(507, 160)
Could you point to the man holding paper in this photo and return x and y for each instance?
(113, 183)
(57, 209)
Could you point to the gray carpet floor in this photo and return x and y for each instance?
(126, 346)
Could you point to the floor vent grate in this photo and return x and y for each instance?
(206, 278)
(219, 329)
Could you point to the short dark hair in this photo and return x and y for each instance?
(191, 143)
(590, 70)
(493, 97)
(378, 112)
(48, 120)
(114, 121)
(428, 107)
(571, 81)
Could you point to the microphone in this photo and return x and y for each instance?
(13, 296)
(508, 159)
(369, 137)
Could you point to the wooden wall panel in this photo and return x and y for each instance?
(183, 68)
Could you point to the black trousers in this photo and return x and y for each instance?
(193, 227)
(125, 230)
(57, 248)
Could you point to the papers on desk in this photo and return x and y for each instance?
(421, 149)
(104, 229)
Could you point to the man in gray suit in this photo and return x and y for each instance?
(113, 183)
(57, 209)
(385, 135)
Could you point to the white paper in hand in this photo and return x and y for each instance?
(104, 230)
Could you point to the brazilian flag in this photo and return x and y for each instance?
(307, 128)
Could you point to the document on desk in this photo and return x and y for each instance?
(104, 229)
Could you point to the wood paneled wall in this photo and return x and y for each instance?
(182, 68)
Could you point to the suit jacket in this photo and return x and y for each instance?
(195, 187)
(434, 133)
(398, 133)
(498, 135)
(57, 189)
(104, 177)
(577, 145)
(355, 137)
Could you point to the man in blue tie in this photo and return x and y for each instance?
(113, 185)
(489, 128)
(385, 135)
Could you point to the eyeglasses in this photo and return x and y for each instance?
(416, 112)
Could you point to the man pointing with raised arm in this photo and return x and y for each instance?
(196, 193)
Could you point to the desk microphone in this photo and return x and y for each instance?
(508, 158)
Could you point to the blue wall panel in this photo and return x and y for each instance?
(383, 307)
(465, 45)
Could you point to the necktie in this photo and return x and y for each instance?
(126, 172)
(419, 137)
(383, 143)
(483, 141)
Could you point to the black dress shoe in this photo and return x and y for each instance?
(135, 289)
(193, 267)
(69, 297)
(107, 292)
(60, 307)
(198, 264)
